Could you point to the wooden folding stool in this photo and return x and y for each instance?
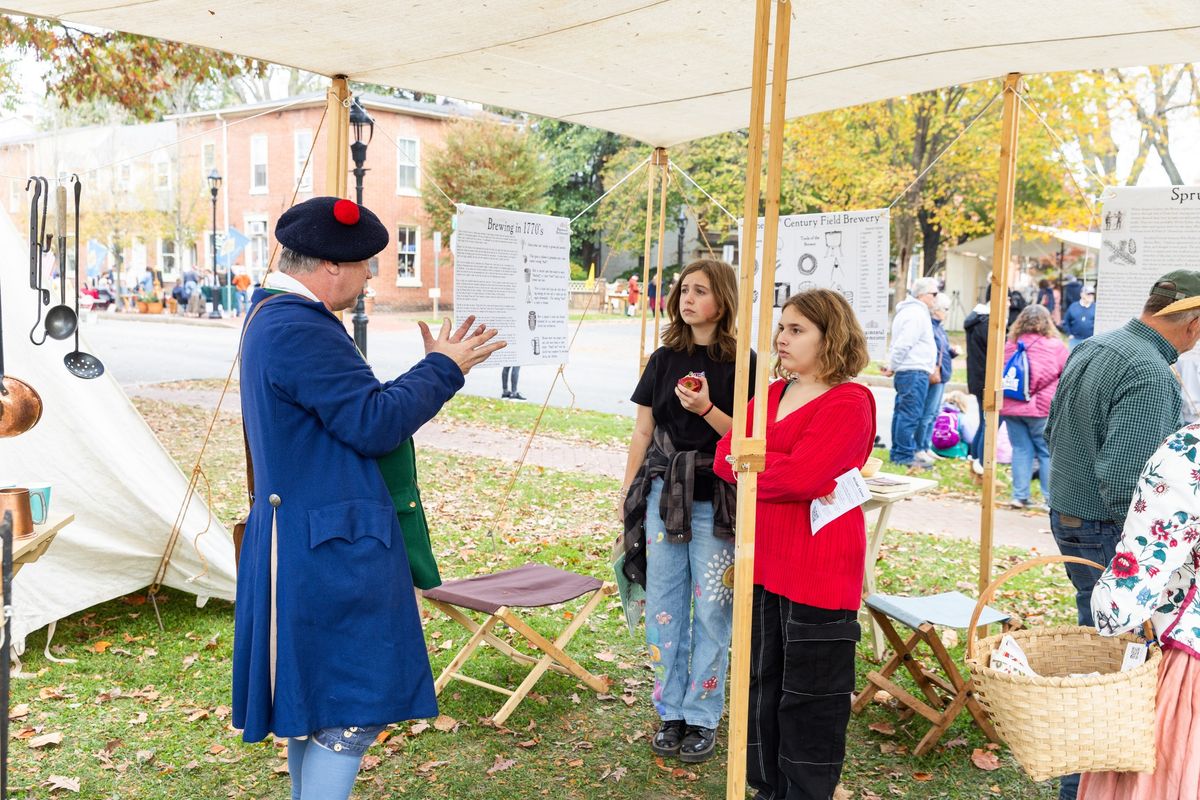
(946, 693)
(497, 595)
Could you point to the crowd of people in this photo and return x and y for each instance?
(329, 672)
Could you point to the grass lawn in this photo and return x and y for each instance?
(145, 713)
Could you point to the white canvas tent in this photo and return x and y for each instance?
(105, 466)
(661, 71)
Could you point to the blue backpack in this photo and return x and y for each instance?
(1015, 380)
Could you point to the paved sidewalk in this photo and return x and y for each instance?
(957, 519)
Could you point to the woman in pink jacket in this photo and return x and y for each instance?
(1026, 419)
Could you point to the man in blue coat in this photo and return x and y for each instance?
(328, 647)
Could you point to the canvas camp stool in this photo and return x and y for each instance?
(497, 595)
(921, 614)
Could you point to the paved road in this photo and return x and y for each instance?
(602, 371)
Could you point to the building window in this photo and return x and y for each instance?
(408, 254)
(408, 157)
(303, 143)
(256, 251)
(167, 260)
(208, 161)
(162, 176)
(124, 177)
(258, 164)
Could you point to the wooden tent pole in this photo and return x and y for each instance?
(664, 167)
(749, 454)
(659, 152)
(998, 323)
(337, 142)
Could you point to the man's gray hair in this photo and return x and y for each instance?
(924, 286)
(294, 263)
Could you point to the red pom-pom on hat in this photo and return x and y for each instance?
(346, 212)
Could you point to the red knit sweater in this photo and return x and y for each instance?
(806, 451)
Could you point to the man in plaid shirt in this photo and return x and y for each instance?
(1117, 400)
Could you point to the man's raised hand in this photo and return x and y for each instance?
(462, 346)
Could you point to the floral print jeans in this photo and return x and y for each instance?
(689, 615)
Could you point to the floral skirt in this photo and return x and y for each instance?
(1177, 730)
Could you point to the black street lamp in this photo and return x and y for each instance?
(214, 186)
(360, 120)
(682, 220)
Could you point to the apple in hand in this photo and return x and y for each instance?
(693, 381)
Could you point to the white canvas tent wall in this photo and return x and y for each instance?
(661, 71)
(969, 263)
(106, 466)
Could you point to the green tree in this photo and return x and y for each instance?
(139, 74)
(577, 157)
(485, 163)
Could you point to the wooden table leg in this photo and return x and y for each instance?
(873, 543)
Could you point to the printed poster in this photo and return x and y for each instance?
(512, 271)
(846, 251)
(1144, 234)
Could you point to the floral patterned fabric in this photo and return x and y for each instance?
(1153, 575)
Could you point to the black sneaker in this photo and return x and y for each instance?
(670, 734)
(506, 396)
(698, 744)
(517, 396)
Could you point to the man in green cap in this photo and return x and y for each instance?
(1117, 400)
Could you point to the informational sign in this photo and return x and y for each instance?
(1144, 234)
(846, 251)
(512, 271)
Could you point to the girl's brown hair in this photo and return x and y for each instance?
(1032, 319)
(722, 282)
(843, 344)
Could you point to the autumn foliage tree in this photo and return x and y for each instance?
(484, 162)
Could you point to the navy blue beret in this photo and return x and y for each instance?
(332, 229)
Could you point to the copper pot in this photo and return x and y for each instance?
(20, 406)
(17, 501)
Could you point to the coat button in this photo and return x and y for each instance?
(412, 504)
(337, 747)
(348, 733)
(274, 500)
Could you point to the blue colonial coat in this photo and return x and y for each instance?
(344, 645)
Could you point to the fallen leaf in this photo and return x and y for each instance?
(956, 742)
(575, 698)
(99, 647)
(885, 728)
(615, 774)
(500, 764)
(217, 749)
(575, 762)
(445, 724)
(51, 693)
(19, 711)
(528, 744)
(922, 776)
(280, 769)
(139, 719)
(56, 782)
(606, 656)
(430, 766)
(46, 739)
(370, 762)
(145, 756)
(985, 760)
(418, 728)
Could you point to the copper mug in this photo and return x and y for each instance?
(16, 500)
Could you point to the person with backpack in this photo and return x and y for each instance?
(938, 378)
(1034, 357)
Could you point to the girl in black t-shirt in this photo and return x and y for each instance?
(684, 532)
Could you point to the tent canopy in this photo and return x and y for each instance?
(661, 71)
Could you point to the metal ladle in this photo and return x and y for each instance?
(80, 364)
(61, 320)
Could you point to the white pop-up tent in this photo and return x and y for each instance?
(661, 71)
(106, 467)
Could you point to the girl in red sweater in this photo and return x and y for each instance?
(806, 587)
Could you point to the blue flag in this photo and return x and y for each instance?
(235, 242)
(97, 258)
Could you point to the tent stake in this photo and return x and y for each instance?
(749, 453)
(998, 323)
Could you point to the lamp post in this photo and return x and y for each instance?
(214, 186)
(682, 220)
(360, 120)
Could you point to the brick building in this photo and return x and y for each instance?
(147, 197)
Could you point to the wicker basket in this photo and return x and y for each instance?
(1061, 725)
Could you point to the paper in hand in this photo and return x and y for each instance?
(851, 492)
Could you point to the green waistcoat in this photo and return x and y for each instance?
(399, 470)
